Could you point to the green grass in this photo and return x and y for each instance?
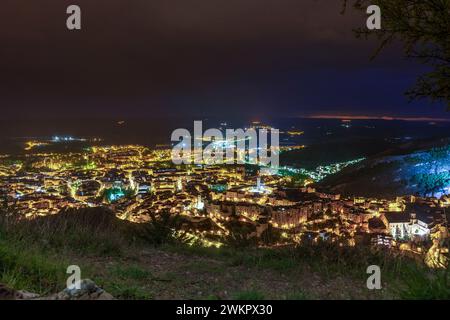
(130, 272)
(406, 278)
(425, 284)
(129, 292)
(199, 266)
(298, 295)
(87, 232)
(25, 268)
(249, 295)
(34, 257)
(128, 282)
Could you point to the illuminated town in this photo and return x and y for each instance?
(225, 152)
(134, 181)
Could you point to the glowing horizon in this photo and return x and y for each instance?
(387, 118)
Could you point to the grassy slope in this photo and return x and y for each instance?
(165, 274)
(34, 257)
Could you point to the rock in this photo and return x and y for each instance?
(25, 295)
(88, 291)
(11, 294)
(7, 293)
(86, 287)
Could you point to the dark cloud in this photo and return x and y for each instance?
(147, 57)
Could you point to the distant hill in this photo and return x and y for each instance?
(416, 168)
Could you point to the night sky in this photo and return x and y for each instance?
(150, 58)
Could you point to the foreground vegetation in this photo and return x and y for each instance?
(131, 264)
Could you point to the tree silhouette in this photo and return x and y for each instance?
(240, 235)
(423, 27)
(162, 228)
(431, 183)
(435, 179)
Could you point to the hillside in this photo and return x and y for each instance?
(417, 168)
(34, 257)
